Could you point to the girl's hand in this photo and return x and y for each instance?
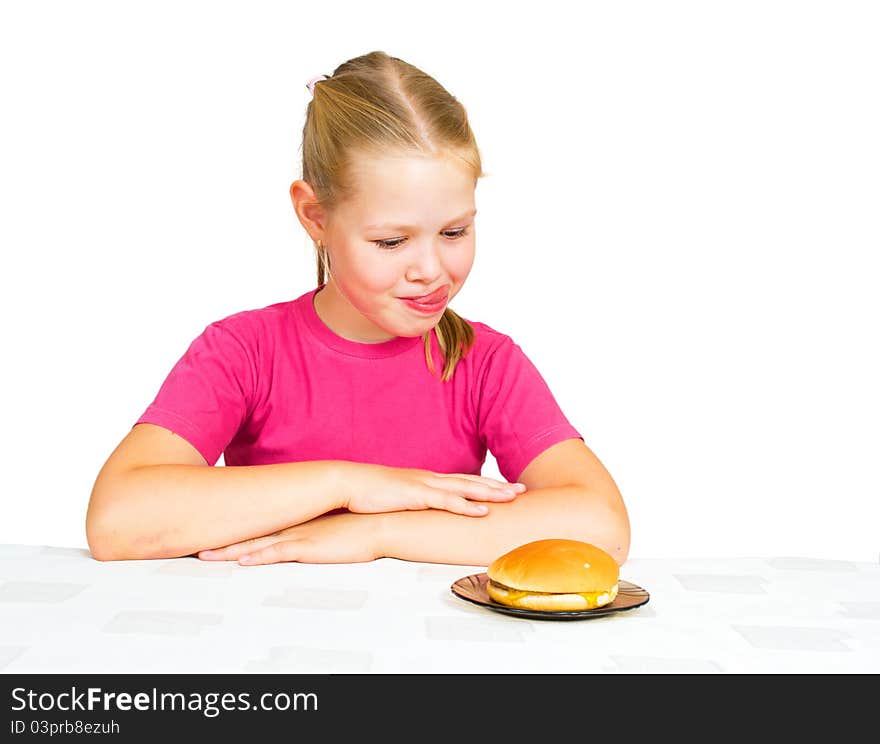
(378, 488)
(330, 538)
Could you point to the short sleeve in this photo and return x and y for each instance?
(518, 417)
(206, 395)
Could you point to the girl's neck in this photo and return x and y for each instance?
(341, 317)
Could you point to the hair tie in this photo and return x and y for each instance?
(311, 84)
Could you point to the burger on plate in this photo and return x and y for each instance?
(554, 575)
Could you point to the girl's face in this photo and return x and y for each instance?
(409, 232)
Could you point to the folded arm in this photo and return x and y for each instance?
(573, 512)
(570, 495)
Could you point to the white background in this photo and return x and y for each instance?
(680, 229)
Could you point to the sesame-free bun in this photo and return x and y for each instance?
(554, 575)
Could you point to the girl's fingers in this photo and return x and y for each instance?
(485, 480)
(457, 505)
(233, 552)
(275, 553)
(480, 488)
(483, 492)
(459, 496)
(213, 555)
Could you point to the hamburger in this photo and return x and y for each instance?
(554, 575)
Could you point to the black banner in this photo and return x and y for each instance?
(134, 707)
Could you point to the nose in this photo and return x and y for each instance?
(426, 262)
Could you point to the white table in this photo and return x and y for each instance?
(63, 612)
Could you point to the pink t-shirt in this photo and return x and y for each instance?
(277, 385)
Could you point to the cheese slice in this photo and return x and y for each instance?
(593, 599)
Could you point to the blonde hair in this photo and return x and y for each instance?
(372, 105)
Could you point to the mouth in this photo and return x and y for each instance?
(434, 298)
(428, 305)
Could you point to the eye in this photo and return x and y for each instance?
(396, 242)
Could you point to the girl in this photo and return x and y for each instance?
(354, 420)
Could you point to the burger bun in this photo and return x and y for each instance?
(554, 575)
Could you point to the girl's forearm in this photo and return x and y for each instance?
(571, 512)
(168, 511)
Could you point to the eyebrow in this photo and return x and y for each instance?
(389, 226)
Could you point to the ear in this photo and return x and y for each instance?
(309, 212)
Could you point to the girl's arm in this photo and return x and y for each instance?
(167, 511)
(156, 496)
(574, 512)
(570, 494)
(435, 536)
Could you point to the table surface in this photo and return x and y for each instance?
(63, 612)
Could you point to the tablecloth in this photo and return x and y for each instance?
(61, 611)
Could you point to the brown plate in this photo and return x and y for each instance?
(473, 589)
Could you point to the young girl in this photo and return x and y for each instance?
(354, 420)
